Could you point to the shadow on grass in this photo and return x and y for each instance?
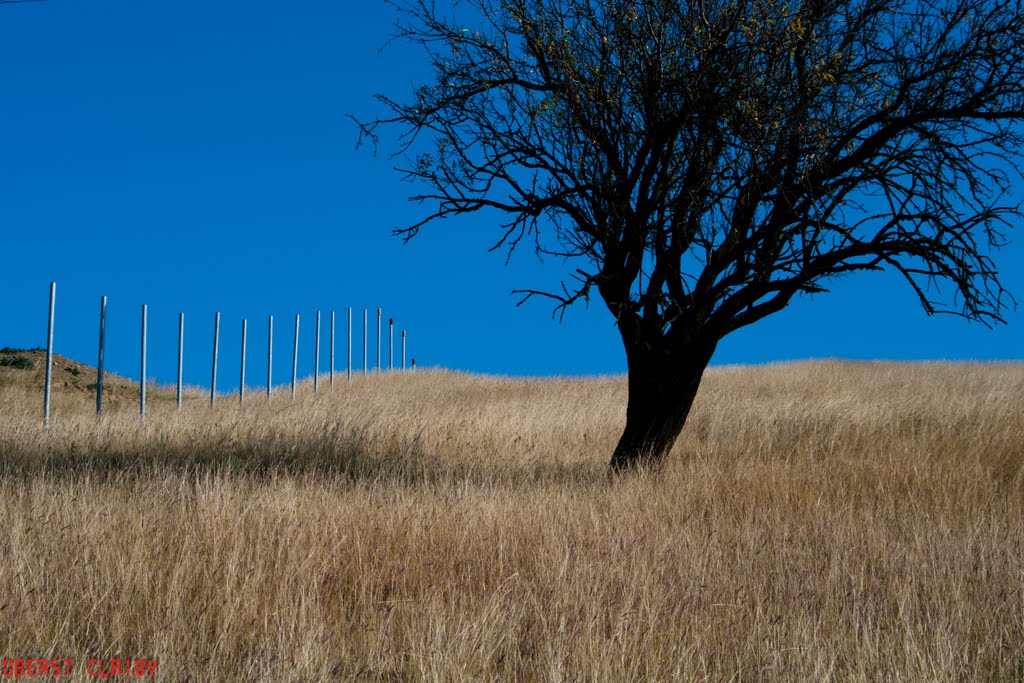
(354, 459)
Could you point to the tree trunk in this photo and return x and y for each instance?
(663, 381)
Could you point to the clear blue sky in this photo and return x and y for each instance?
(197, 157)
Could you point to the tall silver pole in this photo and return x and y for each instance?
(241, 381)
(181, 354)
(378, 338)
(295, 355)
(270, 354)
(403, 349)
(216, 342)
(316, 359)
(99, 361)
(348, 365)
(391, 343)
(332, 349)
(49, 359)
(142, 371)
(365, 335)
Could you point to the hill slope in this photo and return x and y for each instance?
(27, 367)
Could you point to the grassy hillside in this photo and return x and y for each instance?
(22, 374)
(827, 520)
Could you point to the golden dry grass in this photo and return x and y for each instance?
(817, 521)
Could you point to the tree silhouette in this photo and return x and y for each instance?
(705, 161)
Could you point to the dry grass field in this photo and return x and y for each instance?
(817, 521)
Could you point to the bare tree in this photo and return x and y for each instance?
(706, 161)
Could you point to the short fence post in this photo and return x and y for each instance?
(99, 361)
(216, 342)
(142, 371)
(241, 381)
(403, 349)
(316, 357)
(365, 335)
(295, 355)
(348, 365)
(391, 343)
(49, 359)
(270, 354)
(379, 312)
(332, 349)
(181, 353)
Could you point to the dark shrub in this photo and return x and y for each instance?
(18, 363)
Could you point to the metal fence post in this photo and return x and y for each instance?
(142, 371)
(403, 349)
(379, 312)
(365, 335)
(332, 349)
(391, 343)
(270, 354)
(99, 361)
(181, 353)
(316, 358)
(348, 365)
(49, 359)
(216, 342)
(241, 381)
(295, 355)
